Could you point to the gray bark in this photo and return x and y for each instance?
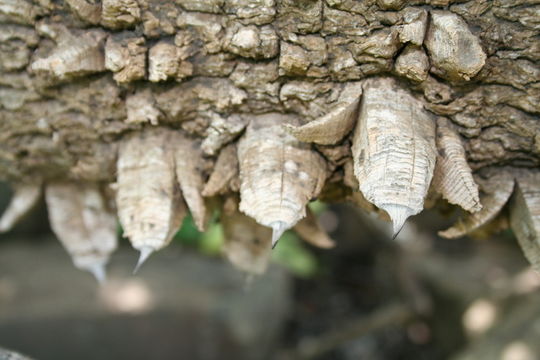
(78, 76)
(70, 71)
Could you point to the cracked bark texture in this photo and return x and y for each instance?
(78, 76)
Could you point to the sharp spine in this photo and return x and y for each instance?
(24, 199)
(278, 174)
(278, 228)
(99, 272)
(144, 254)
(150, 206)
(84, 223)
(393, 149)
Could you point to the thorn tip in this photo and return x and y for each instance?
(145, 253)
(99, 272)
(394, 236)
(398, 214)
(278, 228)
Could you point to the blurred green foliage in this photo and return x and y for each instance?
(188, 233)
(291, 252)
(317, 207)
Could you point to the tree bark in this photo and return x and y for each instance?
(77, 76)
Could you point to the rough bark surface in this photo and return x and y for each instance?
(78, 77)
(249, 58)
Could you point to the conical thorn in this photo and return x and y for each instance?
(398, 214)
(394, 236)
(145, 253)
(278, 228)
(99, 272)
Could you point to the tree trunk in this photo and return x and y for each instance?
(80, 77)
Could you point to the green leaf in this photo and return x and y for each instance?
(212, 240)
(188, 233)
(291, 253)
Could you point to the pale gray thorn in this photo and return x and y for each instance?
(99, 272)
(145, 253)
(6, 223)
(4, 227)
(399, 214)
(278, 228)
(394, 236)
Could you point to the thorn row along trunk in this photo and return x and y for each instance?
(143, 110)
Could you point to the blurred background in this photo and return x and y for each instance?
(417, 297)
